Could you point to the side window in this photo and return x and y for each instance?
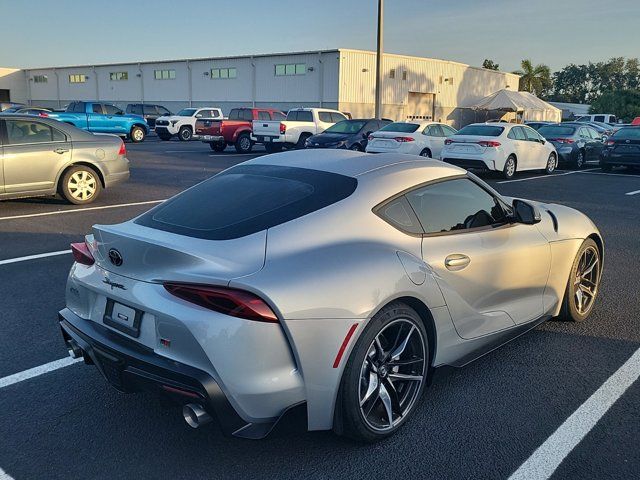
(598, 118)
(149, 110)
(584, 133)
(163, 111)
(613, 119)
(531, 134)
(337, 117)
(263, 116)
(400, 215)
(21, 132)
(448, 131)
(278, 116)
(305, 116)
(58, 136)
(97, 108)
(371, 126)
(437, 131)
(325, 117)
(594, 135)
(247, 115)
(518, 133)
(137, 109)
(111, 110)
(455, 205)
(203, 114)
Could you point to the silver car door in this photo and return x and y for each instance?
(492, 273)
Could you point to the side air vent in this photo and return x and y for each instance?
(554, 219)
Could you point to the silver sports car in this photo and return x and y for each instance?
(336, 280)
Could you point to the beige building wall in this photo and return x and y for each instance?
(13, 80)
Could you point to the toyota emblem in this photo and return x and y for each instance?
(115, 257)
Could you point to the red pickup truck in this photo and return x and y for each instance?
(236, 129)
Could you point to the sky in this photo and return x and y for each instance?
(48, 33)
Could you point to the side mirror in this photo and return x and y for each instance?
(524, 212)
(543, 141)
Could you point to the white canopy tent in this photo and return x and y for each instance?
(526, 105)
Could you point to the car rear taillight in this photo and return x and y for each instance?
(283, 128)
(489, 143)
(564, 140)
(448, 141)
(123, 149)
(43, 114)
(610, 142)
(230, 301)
(404, 139)
(82, 254)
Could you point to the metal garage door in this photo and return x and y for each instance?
(420, 106)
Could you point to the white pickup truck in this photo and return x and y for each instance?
(183, 123)
(300, 124)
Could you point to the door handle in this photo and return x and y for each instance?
(60, 151)
(456, 261)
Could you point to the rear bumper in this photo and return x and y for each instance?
(470, 163)
(211, 138)
(268, 139)
(608, 157)
(131, 367)
(116, 178)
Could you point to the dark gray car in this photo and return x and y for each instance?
(575, 143)
(42, 157)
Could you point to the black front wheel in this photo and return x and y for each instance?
(218, 147)
(185, 133)
(385, 375)
(273, 147)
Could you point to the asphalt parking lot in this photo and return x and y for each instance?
(482, 422)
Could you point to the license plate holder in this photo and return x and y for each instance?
(122, 317)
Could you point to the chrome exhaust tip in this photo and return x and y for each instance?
(195, 415)
(74, 350)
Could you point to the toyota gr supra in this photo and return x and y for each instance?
(334, 280)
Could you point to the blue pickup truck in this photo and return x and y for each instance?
(102, 117)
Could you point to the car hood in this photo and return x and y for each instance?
(171, 117)
(329, 138)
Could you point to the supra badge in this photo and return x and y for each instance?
(115, 257)
(113, 284)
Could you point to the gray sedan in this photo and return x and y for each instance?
(334, 279)
(43, 157)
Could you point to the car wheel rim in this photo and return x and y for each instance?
(391, 375)
(424, 154)
(245, 143)
(511, 167)
(186, 135)
(585, 282)
(137, 135)
(551, 163)
(82, 185)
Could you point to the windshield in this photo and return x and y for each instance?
(346, 126)
(555, 131)
(187, 112)
(400, 127)
(481, 130)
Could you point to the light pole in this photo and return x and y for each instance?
(378, 107)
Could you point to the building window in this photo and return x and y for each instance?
(404, 75)
(290, 69)
(115, 76)
(165, 74)
(40, 79)
(224, 73)
(392, 73)
(77, 78)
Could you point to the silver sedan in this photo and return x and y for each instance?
(44, 157)
(336, 280)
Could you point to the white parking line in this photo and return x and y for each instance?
(635, 192)
(546, 459)
(548, 176)
(4, 475)
(33, 257)
(37, 371)
(87, 209)
(236, 154)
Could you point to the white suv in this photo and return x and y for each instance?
(502, 147)
(183, 123)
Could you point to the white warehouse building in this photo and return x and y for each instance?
(343, 79)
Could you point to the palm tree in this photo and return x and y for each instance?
(536, 80)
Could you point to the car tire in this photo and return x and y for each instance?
(510, 167)
(426, 153)
(301, 140)
(579, 161)
(356, 147)
(584, 277)
(185, 133)
(80, 185)
(552, 163)
(218, 147)
(165, 137)
(137, 134)
(273, 147)
(243, 143)
(374, 401)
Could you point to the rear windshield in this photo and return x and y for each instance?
(627, 134)
(346, 126)
(481, 130)
(247, 199)
(554, 131)
(400, 127)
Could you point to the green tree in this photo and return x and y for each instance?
(572, 84)
(490, 65)
(534, 79)
(623, 103)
